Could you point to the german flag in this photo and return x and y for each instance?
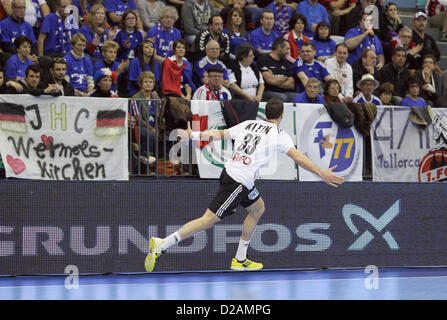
(110, 123)
(12, 118)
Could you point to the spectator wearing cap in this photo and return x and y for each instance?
(386, 93)
(213, 90)
(103, 84)
(311, 94)
(397, 73)
(429, 44)
(362, 37)
(314, 13)
(366, 64)
(412, 98)
(437, 11)
(367, 86)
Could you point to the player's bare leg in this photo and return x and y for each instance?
(240, 262)
(157, 245)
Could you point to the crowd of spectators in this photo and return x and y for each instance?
(265, 49)
(359, 50)
(308, 51)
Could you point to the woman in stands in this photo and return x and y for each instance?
(128, 36)
(324, 45)
(144, 61)
(80, 66)
(390, 24)
(248, 83)
(103, 83)
(431, 89)
(96, 32)
(236, 30)
(296, 37)
(332, 91)
(177, 73)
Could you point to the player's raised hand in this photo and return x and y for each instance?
(185, 135)
(331, 178)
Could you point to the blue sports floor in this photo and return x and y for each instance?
(333, 284)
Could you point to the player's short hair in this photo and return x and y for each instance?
(274, 109)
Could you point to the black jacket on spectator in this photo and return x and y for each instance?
(236, 111)
(430, 47)
(236, 68)
(398, 78)
(203, 38)
(435, 99)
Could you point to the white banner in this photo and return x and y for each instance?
(211, 156)
(328, 144)
(64, 138)
(402, 152)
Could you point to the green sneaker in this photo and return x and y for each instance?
(154, 253)
(245, 265)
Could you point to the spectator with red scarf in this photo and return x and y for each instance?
(177, 73)
(296, 37)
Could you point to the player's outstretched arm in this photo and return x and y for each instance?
(327, 175)
(207, 135)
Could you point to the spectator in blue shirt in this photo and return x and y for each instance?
(367, 86)
(412, 99)
(80, 67)
(314, 13)
(55, 34)
(96, 32)
(311, 94)
(164, 34)
(15, 26)
(283, 14)
(362, 37)
(115, 11)
(144, 61)
(263, 37)
(324, 45)
(128, 36)
(16, 65)
(307, 67)
(236, 30)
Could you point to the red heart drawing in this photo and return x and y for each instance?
(47, 140)
(17, 165)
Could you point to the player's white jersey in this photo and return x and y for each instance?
(256, 141)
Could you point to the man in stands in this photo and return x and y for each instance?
(213, 90)
(397, 73)
(307, 67)
(366, 65)
(340, 70)
(362, 37)
(15, 26)
(214, 32)
(263, 37)
(277, 72)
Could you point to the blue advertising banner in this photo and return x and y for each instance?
(102, 227)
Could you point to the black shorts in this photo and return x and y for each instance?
(231, 194)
